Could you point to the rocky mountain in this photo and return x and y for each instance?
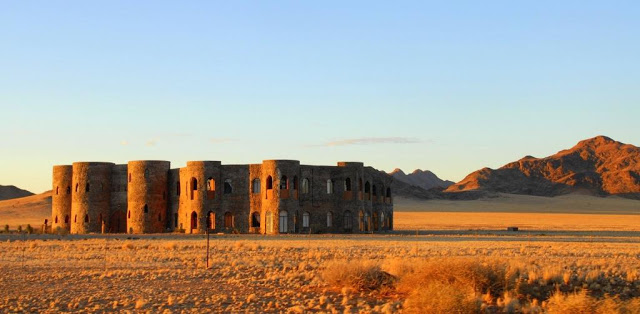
(423, 179)
(598, 166)
(9, 191)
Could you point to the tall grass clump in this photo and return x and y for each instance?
(451, 285)
(360, 275)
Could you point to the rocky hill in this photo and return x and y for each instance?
(8, 192)
(423, 179)
(597, 166)
(33, 209)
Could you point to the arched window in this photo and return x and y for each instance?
(177, 187)
(255, 186)
(194, 220)
(194, 187)
(284, 183)
(388, 192)
(87, 187)
(305, 186)
(255, 220)
(146, 173)
(228, 220)
(211, 220)
(367, 187)
(129, 176)
(228, 189)
(86, 218)
(56, 192)
(283, 221)
(76, 187)
(269, 183)
(75, 218)
(329, 219)
(56, 221)
(66, 219)
(305, 219)
(68, 190)
(211, 188)
(129, 215)
(295, 183)
(268, 222)
(146, 208)
(329, 186)
(347, 184)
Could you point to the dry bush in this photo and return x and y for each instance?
(440, 297)
(479, 277)
(361, 275)
(581, 302)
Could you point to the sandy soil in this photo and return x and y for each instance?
(266, 274)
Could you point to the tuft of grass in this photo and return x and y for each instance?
(442, 297)
(360, 275)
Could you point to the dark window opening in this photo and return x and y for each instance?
(367, 187)
(284, 183)
(228, 189)
(129, 176)
(87, 187)
(129, 214)
(269, 183)
(68, 190)
(388, 192)
(56, 192)
(66, 219)
(146, 208)
(347, 184)
(86, 218)
(255, 220)
(178, 188)
(228, 220)
(76, 187)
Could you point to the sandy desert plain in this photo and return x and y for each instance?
(573, 254)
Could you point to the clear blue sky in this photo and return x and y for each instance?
(447, 86)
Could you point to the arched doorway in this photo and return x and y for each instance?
(118, 222)
(211, 220)
(194, 222)
(283, 222)
(228, 220)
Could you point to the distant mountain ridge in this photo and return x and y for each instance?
(423, 179)
(8, 192)
(597, 166)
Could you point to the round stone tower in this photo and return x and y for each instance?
(280, 201)
(201, 196)
(61, 197)
(91, 196)
(147, 197)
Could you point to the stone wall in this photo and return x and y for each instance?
(61, 197)
(91, 196)
(276, 196)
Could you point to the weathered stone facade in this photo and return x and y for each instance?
(277, 196)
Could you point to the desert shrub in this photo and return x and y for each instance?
(479, 277)
(441, 297)
(29, 229)
(19, 228)
(61, 231)
(6, 228)
(581, 302)
(361, 275)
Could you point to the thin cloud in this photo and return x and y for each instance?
(373, 141)
(216, 140)
(151, 143)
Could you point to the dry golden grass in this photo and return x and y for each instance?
(313, 273)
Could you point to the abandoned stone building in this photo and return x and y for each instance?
(277, 196)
